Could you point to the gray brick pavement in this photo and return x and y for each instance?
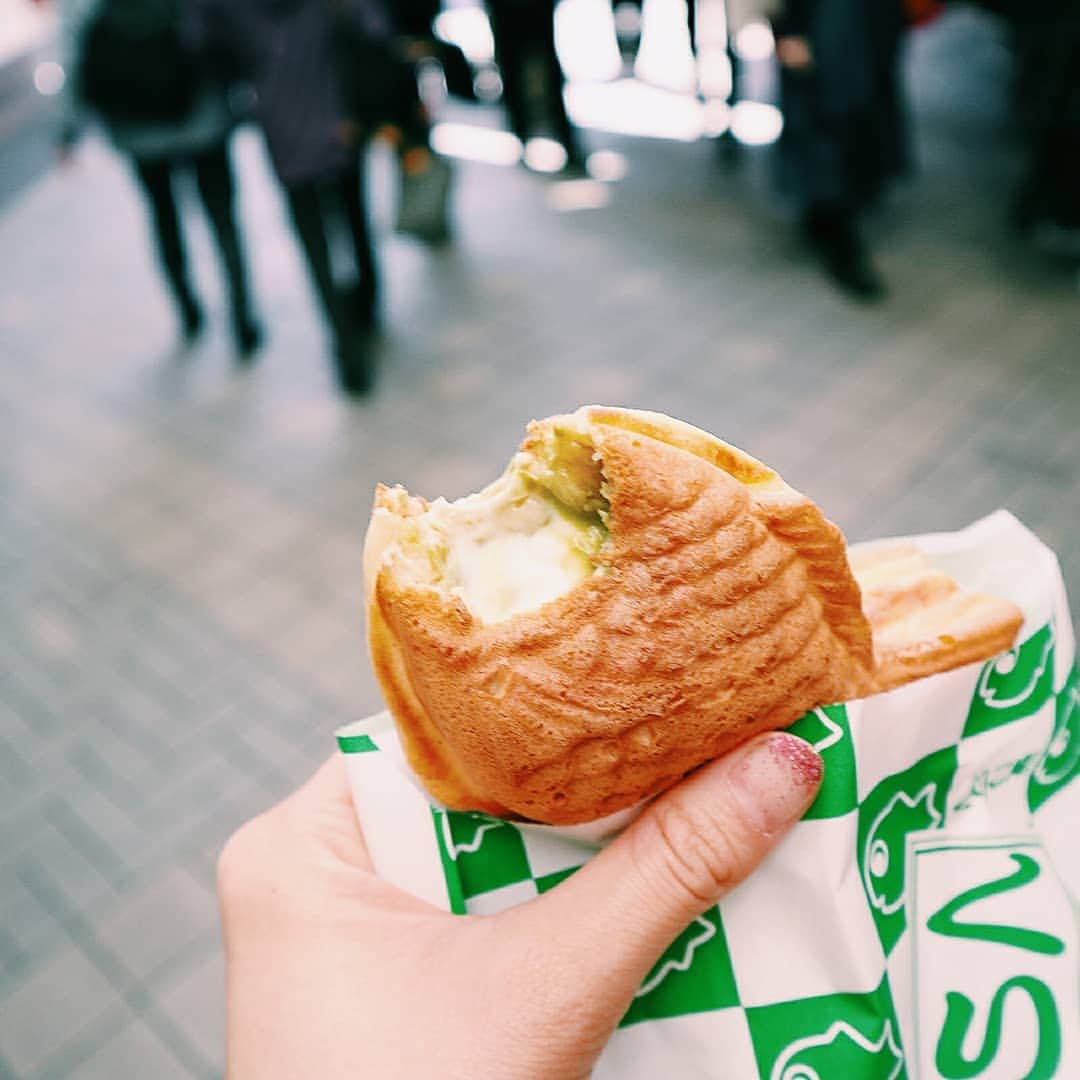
(180, 624)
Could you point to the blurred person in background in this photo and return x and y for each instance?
(629, 21)
(300, 57)
(1047, 38)
(382, 93)
(532, 77)
(136, 65)
(844, 123)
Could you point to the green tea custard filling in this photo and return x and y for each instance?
(526, 539)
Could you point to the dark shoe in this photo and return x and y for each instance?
(728, 149)
(575, 167)
(855, 274)
(355, 371)
(248, 339)
(363, 307)
(192, 319)
(834, 237)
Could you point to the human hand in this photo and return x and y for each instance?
(415, 48)
(332, 972)
(794, 52)
(349, 133)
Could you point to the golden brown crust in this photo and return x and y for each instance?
(727, 609)
(923, 621)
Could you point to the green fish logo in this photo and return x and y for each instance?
(1006, 682)
(463, 823)
(841, 1051)
(479, 854)
(829, 734)
(1063, 751)
(1013, 685)
(1059, 763)
(693, 975)
(706, 932)
(828, 731)
(883, 855)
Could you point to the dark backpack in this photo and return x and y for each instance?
(134, 65)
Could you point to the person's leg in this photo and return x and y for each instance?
(834, 234)
(728, 146)
(308, 211)
(814, 170)
(542, 36)
(155, 178)
(627, 28)
(511, 54)
(213, 173)
(352, 192)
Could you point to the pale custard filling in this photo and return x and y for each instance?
(521, 551)
(511, 548)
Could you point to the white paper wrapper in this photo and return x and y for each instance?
(920, 921)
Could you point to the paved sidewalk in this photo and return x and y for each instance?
(180, 597)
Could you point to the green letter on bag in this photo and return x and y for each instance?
(944, 920)
(950, 1060)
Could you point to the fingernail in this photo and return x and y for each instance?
(777, 779)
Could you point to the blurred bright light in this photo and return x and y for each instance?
(24, 26)
(585, 40)
(754, 41)
(714, 73)
(488, 84)
(607, 166)
(469, 28)
(664, 56)
(756, 124)
(629, 107)
(431, 81)
(475, 143)
(545, 155)
(49, 78)
(717, 118)
(570, 195)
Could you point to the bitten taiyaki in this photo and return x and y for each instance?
(631, 598)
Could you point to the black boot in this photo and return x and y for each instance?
(362, 303)
(192, 319)
(355, 371)
(247, 336)
(834, 237)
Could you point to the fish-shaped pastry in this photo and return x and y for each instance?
(631, 598)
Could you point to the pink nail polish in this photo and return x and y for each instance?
(776, 779)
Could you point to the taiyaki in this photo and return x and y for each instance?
(632, 597)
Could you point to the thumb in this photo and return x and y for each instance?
(695, 843)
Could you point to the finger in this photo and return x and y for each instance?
(323, 807)
(616, 915)
(329, 784)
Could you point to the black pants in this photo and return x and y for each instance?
(323, 210)
(214, 179)
(532, 76)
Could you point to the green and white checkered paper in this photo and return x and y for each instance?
(920, 921)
